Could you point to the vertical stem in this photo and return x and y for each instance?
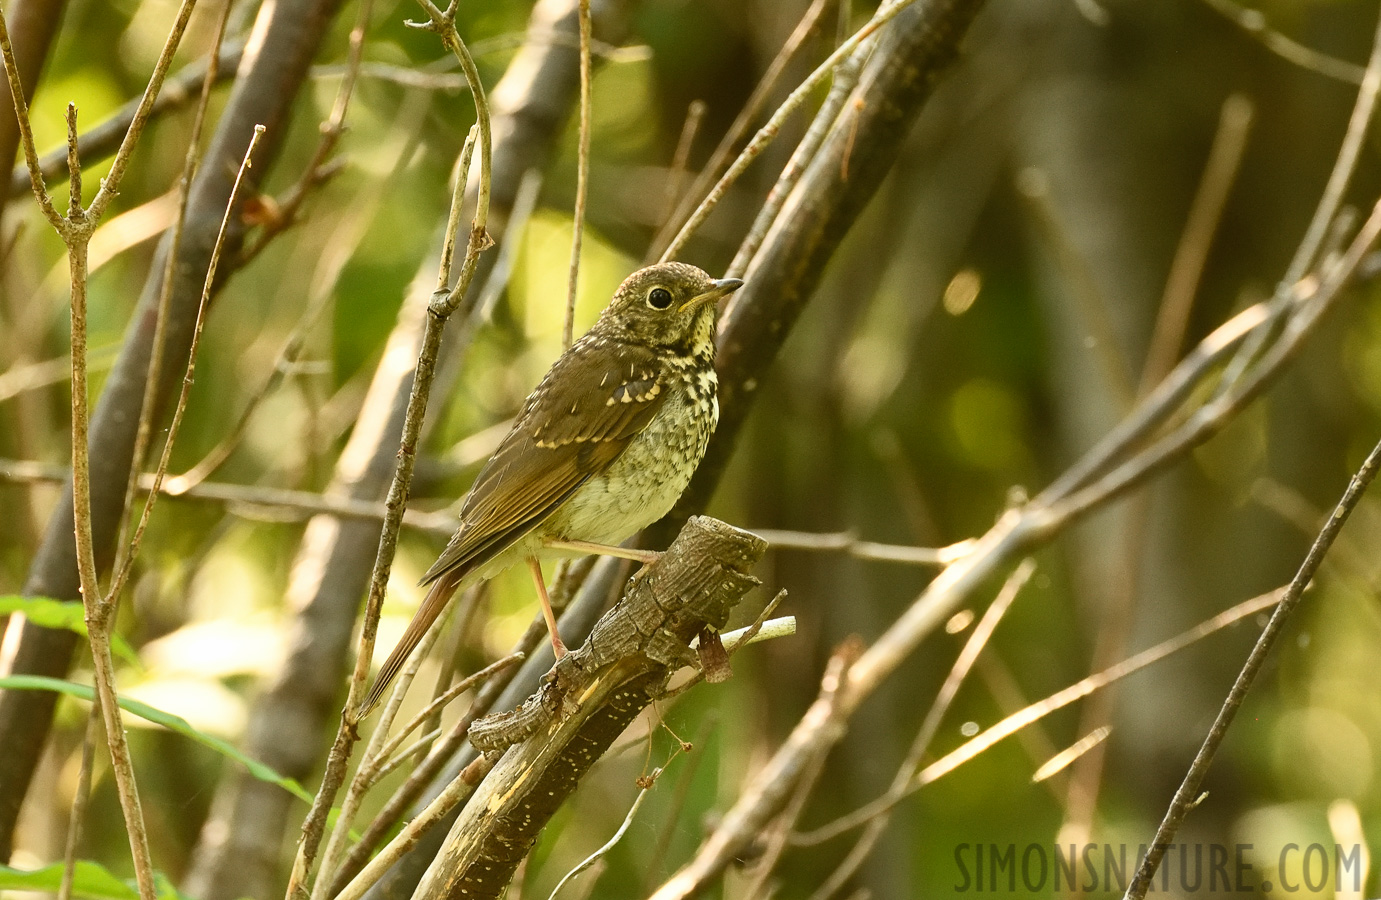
(582, 173)
(98, 612)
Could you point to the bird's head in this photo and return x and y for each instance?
(668, 305)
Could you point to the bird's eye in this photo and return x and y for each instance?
(659, 298)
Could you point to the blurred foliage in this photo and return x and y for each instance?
(982, 325)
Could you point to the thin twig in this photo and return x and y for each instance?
(104, 138)
(1037, 711)
(680, 159)
(810, 20)
(1234, 124)
(349, 231)
(26, 134)
(445, 697)
(582, 172)
(80, 800)
(320, 166)
(847, 543)
(930, 726)
(599, 854)
(1189, 788)
(769, 131)
(455, 792)
(444, 302)
(1253, 21)
(1286, 300)
(110, 185)
(127, 548)
(180, 409)
(367, 771)
(845, 78)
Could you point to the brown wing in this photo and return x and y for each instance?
(592, 402)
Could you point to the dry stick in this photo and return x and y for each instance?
(80, 800)
(318, 169)
(1324, 215)
(847, 543)
(1035, 712)
(375, 760)
(1209, 418)
(76, 230)
(750, 111)
(104, 138)
(1015, 532)
(1224, 157)
(454, 793)
(346, 237)
(127, 548)
(99, 616)
(930, 726)
(1253, 22)
(445, 697)
(1172, 319)
(587, 862)
(845, 77)
(286, 504)
(187, 378)
(1166, 398)
(354, 794)
(1189, 788)
(582, 172)
(357, 857)
(443, 304)
(680, 158)
(777, 837)
(768, 132)
(26, 135)
(313, 827)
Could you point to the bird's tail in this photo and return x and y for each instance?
(441, 591)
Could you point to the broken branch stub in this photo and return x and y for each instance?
(587, 700)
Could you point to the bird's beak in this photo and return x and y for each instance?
(722, 288)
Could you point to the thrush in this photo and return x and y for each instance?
(602, 448)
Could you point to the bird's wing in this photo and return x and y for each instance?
(591, 403)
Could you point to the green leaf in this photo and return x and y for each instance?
(90, 880)
(67, 615)
(159, 717)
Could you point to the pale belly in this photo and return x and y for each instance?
(644, 483)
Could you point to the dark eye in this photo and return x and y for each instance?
(659, 298)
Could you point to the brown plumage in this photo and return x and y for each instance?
(603, 446)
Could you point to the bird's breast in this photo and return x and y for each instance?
(649, 476)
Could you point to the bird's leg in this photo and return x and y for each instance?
(642, 556)
(557, 646)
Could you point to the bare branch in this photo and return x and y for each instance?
(582, 173)
(1189, 788)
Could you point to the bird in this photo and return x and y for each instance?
(602, 447)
